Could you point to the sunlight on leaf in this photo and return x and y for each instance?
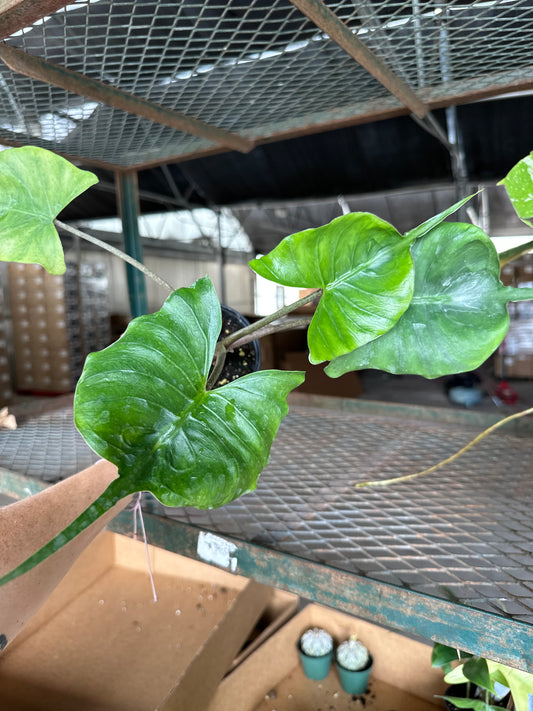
(364, 267)
(35, 185)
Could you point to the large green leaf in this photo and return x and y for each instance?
(519, 185)
(35, 185)
(458, 314)
(142, 404)
(364, 268)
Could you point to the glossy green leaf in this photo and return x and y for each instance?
(520, 683)
(364, 268)
(519, 185)
(476, 670)
(35, 185)
(458, 314)
(443, 656)
(142, 404)
(435, 221)
(474, 704)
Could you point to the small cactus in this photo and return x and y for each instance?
(316, 642)
(352, 654)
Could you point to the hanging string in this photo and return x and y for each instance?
(137, 511)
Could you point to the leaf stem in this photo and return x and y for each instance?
(518, 293)
(286, 325)
(117, 490)
(258, 325)
(219, 358)
(408, 477)
(117, 252)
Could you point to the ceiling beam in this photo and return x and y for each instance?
(37, 68)
(17, 14)
(337, 31)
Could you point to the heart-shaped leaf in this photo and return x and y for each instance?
(142, 404)
(458, 314)
(364, 268)
(35, 185)
(519, 185)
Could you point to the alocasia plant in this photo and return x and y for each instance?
(427, 302)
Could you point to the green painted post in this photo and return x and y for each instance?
(128, 193)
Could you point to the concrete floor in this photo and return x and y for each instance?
(414, 390)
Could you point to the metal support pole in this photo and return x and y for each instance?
(128, 195)
(221, 262)
(457, 155)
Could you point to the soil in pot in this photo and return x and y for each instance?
(244, 359)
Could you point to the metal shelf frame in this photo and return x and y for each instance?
(389, 556)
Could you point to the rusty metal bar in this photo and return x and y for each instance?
(479, 632)
(17, 14)
(329, 23)
(37, 68)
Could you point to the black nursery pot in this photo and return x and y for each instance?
(244, 359)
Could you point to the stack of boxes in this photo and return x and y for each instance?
(514, 358)
(6, 391)
(49, 341)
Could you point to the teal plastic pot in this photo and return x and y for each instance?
(354, 682)
(316, 668)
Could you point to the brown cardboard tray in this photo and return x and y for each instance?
(271, 679)
(101, 643)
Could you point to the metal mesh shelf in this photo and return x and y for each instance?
(449, 556)
(462, 534)
(257, 69)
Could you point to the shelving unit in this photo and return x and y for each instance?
(447, 557)
(125, 84)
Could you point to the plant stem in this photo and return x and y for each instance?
(408, 477)
(287, 325)
(258, 325)
(117, 252)
(219, 359)
(259, 329)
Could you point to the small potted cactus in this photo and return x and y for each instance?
(354, 663)
(315, 648)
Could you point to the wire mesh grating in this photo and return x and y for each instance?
(258, 69)
(462, 534)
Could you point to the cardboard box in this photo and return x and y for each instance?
(316, 380)
(100, 642)
(401, 679)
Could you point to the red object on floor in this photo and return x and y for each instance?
(506, 393)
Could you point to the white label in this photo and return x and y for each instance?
(213, 549)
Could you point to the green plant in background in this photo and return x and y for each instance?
(486, 681)
(428, 302)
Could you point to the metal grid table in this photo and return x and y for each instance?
(449, 557)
